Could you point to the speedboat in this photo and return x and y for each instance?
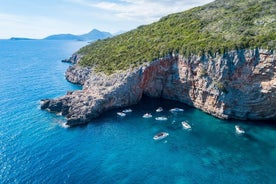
(160, 135)
(239, 130)
(147, 115)
(186, 125)
(121, 114)
(176, 110)
(127, 110)
(162, 118)
(160, 109)
(64, 125)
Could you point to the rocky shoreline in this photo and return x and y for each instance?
(236, 85)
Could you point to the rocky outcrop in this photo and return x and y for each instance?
(239, 84)
(100, 93)
(77, 75)
(74, 59)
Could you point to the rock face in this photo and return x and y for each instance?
(239, 84)
(74, 59)
(77, 75)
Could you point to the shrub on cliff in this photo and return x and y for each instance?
(216, 27)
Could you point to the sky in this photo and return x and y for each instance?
(41, 18)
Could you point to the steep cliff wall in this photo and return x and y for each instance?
(239, 84)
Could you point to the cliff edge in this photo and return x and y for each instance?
(239, 84)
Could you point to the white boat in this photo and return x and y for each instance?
(186, 125)
(239, 130)
(160, 109)
(160, 135)
(127, 110)
(121, 114)
(176, 110)
(162, 118)
(147, 115)
(64, 125)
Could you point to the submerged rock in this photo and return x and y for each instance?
(239, 84)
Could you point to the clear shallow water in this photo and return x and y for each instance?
(35, 148)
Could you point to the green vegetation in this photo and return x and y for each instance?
(203, 73)
(221, 87)
(214, 28)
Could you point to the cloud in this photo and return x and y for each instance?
(80, 16)
(143, 10)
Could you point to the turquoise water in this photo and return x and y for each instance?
(35, 148)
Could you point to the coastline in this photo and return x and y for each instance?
(235, 85)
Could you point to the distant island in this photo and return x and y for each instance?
(93, 35)
(21, 38)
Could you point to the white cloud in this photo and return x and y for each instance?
(143, 10)
(115, 15)
(80, 16)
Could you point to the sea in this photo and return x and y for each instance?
(35, 147)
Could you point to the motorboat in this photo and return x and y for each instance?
(176, 110)
(147, 115)
(186, 125)
(127, 110)
(64, 125)
(160, 109)
(162, 118)
(239, 130)
(121, 114)
(160, 135)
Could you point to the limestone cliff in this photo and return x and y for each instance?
(239, 84)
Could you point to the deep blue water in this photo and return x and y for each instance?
(35, 148)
